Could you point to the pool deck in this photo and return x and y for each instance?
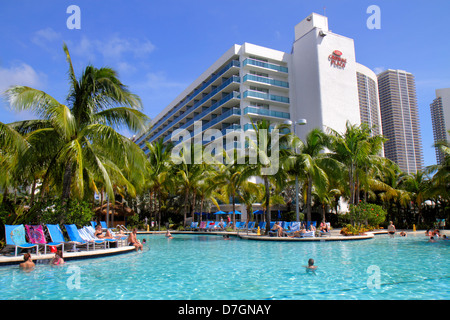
(10, 259)
(333, 236)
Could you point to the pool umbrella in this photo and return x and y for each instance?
(258, 212)
(220, 212)
(235, 212)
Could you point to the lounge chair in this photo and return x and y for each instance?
(309, 234)
(241, 225)
(193, 226)
(75, 237)
(295, 226)
(251, 226)
(211, 225)
(119, 237)
(91, 232)
(93, 224)
(56, 236)
(326, 233)
(87, 236)
(202, 225)
(104, 226)
(15, 236)
(262, 226)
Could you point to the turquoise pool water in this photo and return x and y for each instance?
(208, 267)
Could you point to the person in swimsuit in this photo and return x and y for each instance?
(391, 229)
(28, 263)
(311, 267)
(133, 241)
(99, 233)
(58, 259)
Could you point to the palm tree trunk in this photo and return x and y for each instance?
(185, 206)
(234, 211)
(67, 181)
(266, 185)
(309, 200)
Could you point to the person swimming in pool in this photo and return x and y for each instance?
(311, 267)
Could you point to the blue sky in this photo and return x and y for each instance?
(160, 47)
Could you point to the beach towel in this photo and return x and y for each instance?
(35, 234)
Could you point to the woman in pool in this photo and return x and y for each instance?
(391, 229)
(58, 259)
(168, 234)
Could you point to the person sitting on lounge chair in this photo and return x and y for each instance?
(99, 233)
(133, 241)
(279, 228)
(324, 227)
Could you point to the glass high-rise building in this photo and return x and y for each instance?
(440, 117)
(400, 119)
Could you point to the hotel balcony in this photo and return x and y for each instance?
(231, 83)
(266, 113)
(265, 66)
(261, 96)
(231, 68)
(266, 82)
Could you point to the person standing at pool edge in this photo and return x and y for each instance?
(391, 229)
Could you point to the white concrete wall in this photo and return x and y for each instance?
(327, 96)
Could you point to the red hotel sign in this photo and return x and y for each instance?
(336, 60)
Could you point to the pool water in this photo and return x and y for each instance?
(209, 267)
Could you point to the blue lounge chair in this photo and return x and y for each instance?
(251, 226)
(15, 236)
(87, 236)
(104, 226)
(75, 237)
(262, 226)
(211, 225)
(240, 225)
(93, 224)
(193, 225)
(56, 237)
(295, 226)
(91, 232)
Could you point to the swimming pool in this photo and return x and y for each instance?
(208, 267)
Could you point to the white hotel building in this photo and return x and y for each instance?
(319, 80)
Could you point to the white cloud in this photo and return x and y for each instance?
(21, 74)
(113, 49)
(45, 35)
(379, 70)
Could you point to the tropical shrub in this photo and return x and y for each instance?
(368, 214)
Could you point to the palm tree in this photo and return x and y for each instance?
(310, 162)
(355, 148)
(159, 161)
(83, 130)
(269, 147)
(231, 179)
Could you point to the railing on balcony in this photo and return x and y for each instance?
(267, 112)
(254, 62)
(274, 82)
(262, 95)
(233, 63)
